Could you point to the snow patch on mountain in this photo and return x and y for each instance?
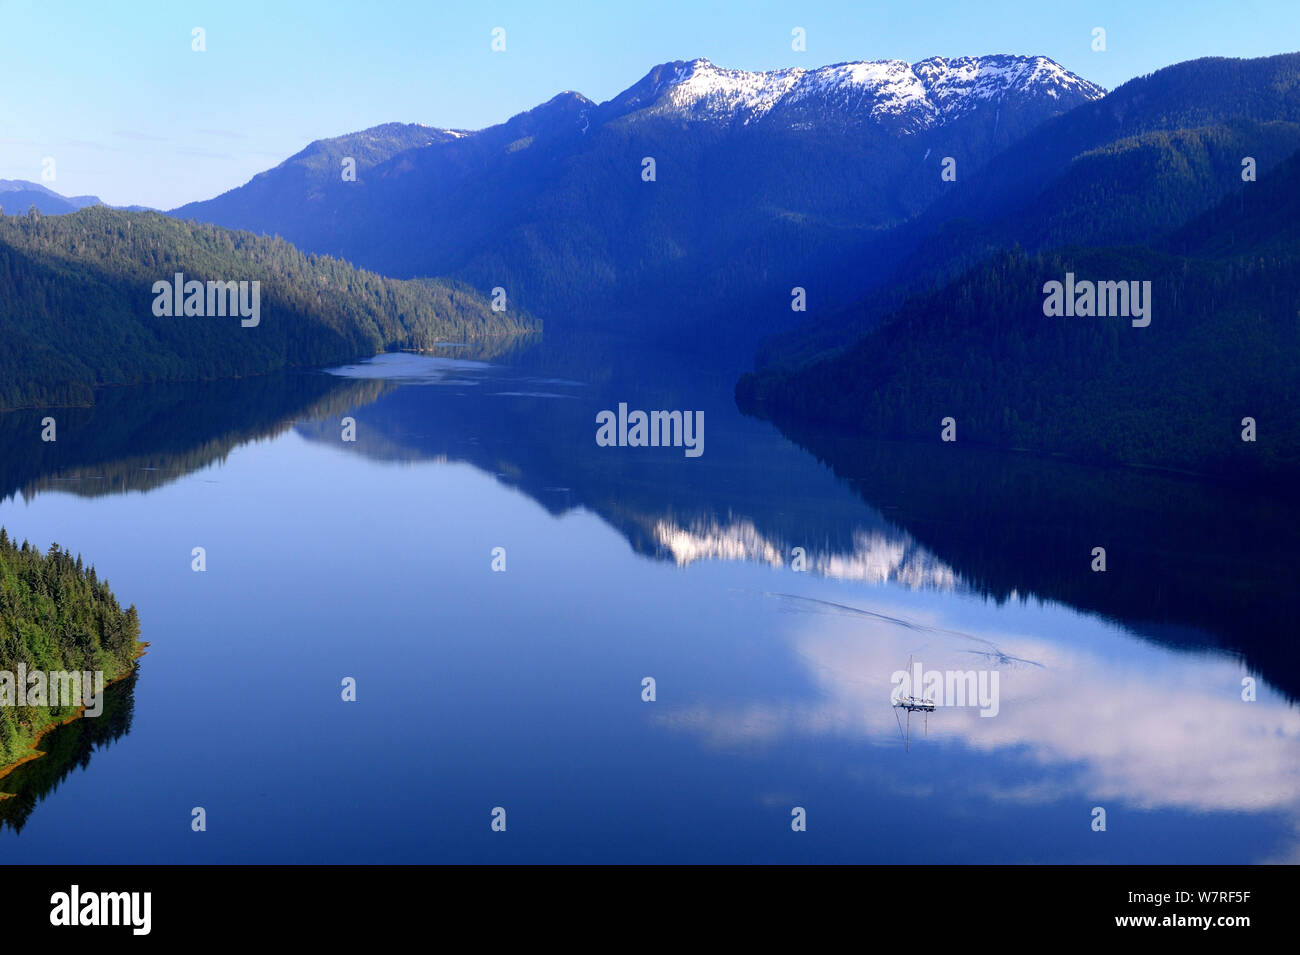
(910, 96)
(956, 86)
(701, 89)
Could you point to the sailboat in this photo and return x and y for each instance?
(912, 704)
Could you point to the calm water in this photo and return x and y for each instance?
(522, 689)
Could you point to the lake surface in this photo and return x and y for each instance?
(522, 688)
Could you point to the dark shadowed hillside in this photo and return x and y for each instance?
(78, 313)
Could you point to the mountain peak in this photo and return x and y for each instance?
(570, 97)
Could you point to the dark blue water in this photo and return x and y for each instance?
(522, 689)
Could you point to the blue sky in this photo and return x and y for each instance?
(115, 95)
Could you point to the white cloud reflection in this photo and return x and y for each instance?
(1151, 727)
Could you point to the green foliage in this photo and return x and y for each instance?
(79, 306)
(56, 615)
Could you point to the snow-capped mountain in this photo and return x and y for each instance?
(905, 97)
(763, 181)
(958, 85)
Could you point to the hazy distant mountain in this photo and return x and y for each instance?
(761, 180)
(18, 195)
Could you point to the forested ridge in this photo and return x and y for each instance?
(1223, 345)
(1122, 170)
(76, 306)
(56, 615)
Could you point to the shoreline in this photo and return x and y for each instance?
(36, 753)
